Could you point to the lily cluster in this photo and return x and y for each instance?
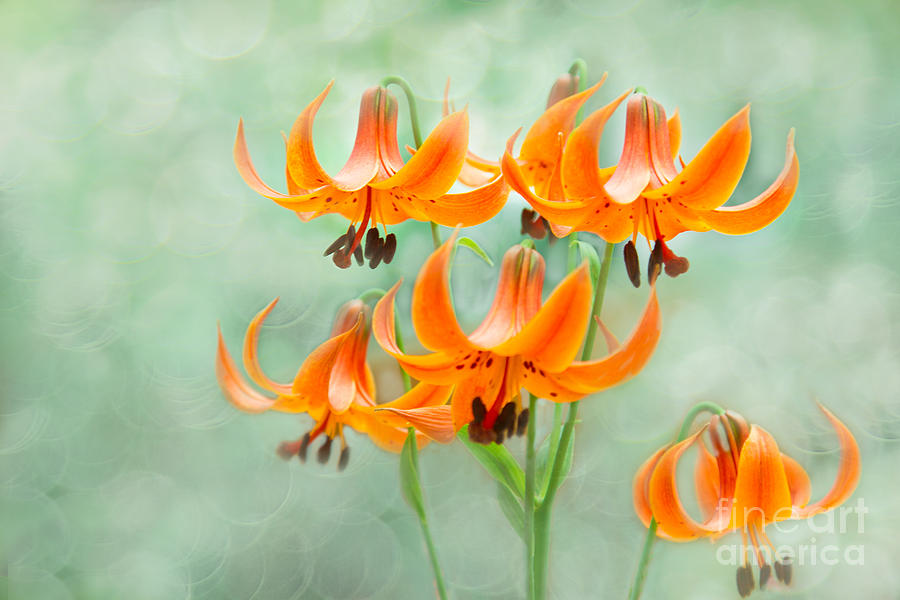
(528, 343)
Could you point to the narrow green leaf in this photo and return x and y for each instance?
(512, 509)
(409, 475)
(545, 460)
(498, 462)
(474, 247)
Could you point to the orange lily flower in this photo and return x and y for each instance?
(539, 160)
(376, 186)
(744, 484)
(334, 386)
(645, 193)
(522, 343)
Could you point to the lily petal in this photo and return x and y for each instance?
(311, 385)
(517, 299)
(707, 483)
(847, 475)
(761, 492)
(363, 164)
(468, 208)
(432, 309)
(798, 481)
(438, 367)
(434, 169)
(251, 358)
(301, 156)
(632, 173)
(665, 504)
(539, 148)
(624, 363)
(233, 385)
(709, 180)
(553, 336)
(436, 422)
(757, 213)
(581, 174)
(640, 487)
(674, 125)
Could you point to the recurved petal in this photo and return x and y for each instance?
(761, 492)
(384, 435)
(468, 208)
(553, 336)
(251, 358)
(541, 140)
(438, 367)
(517, 299)
(301, 157)
(640, 487)
(581, 174)
(436, 422)
(765, 208)
(632, 174)
(362, 166)
(665, 504)
(567, 214)
(798, 481)
(847, 475)
(344, 374)
(625, 362)
(706, 483)
(313, 379)
(235, 388)
(674, 125)
(432, 308)
(433, 169)
(709, 180)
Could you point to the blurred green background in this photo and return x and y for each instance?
(127, 233)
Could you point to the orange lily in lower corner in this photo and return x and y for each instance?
(645, 193)
(745, 484)
(333, 385)
(522, 343)
(376, 187)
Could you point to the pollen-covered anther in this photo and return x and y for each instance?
(522, 422)
(675, 265)
(654, 265)
(304, 446)
(324, 452)
(344, 458)
(632, 264)
(784, 570)
(745, 580)
(765, 573)
(533, 224)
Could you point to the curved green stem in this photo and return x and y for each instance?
(410, 101)
(530, 464)
(435, 235)
(426, 532)
(371, 294)
(641, 575)
(579, 70)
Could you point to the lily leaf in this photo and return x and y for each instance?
(497, 461)
(545, 461)
(474, 247)
(409, 475)
(512, 508)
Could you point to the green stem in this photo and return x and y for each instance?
(529, 495)
(641, 575)
(543, 512)
(371, 294)
(579, 70)
(435, 235)
(410, 101)
(426, 531)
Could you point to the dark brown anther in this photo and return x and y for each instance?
(371, 236)
(390, 247)
(324, 452)
(358, 255)
(286, 450)
(377, 253)
(480, 435)
(478, 410)
(335, 245)
(506, 421)
(522, 424)
(632, 264)
(533, 224)
(341, 259)
(304, 445)
(676, 266)
(351, 235)
(525, 218)
(784, 571)
(654, 265)
(765, 573)
(745, 582)
(344, 459)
